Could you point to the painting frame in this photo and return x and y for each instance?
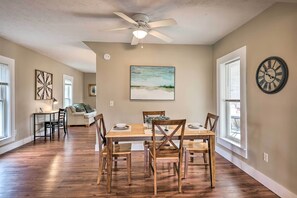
(92, 90)
(43, 85)
(155, 83)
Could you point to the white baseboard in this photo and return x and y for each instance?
(96, 147)
(15, 145)
(260, 177)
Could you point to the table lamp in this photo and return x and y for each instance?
(55, 101)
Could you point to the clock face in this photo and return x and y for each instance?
(272, 75)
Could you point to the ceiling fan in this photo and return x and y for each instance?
(142, 26)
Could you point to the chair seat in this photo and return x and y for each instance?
(119, 149)
(168, 152)
(196, 146)
(52, 122)
(150, 143)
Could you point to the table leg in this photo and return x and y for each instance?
(212, 160)
(34, 127)
(44, 119)
(109, 164)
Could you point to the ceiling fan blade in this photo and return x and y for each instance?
(116, 29)
(160, 36)
(162, 23)
(125, 17)
(134, 41)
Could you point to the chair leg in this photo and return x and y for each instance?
(155, 177)
(102, 162)
(145, 153)
(205, 159)
(115, 159)
(179, 175)
(45, 130)
(174, 168)
(149, 166)
(58, 132)
(186, 163)
(52, 132)
(65, 128)
(129, 168)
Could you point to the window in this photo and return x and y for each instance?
(6, 100)
(67, 91)
(231, 99)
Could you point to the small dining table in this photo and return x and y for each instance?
(136, 132)
(51, 117)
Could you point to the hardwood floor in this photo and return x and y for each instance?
(68, 168)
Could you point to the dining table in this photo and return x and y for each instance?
(48, 116)
(138, 132)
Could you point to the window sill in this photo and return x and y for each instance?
(232, 146)
(6, 140)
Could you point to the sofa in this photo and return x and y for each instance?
(80, 114)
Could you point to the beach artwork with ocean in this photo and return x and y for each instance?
(152, 82)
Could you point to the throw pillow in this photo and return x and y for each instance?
(72, 108)
(88, 109)
(79, 107)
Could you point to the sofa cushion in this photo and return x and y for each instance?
(78, 114)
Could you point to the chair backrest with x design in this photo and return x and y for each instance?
(100, 131)
(152, 113)
(166, 130)
(211, 122)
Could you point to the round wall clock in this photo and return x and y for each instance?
(272, 75)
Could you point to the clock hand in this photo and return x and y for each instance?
(270, 76)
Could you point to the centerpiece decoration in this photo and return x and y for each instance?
(149, 119)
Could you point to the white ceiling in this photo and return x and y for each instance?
(57, 28)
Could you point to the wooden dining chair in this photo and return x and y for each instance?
(191, 148)
(60, 122)
(146, 144)
(164, 149)
(120, 151)
(145, 114)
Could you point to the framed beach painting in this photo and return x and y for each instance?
(152, 82)
(92, 90)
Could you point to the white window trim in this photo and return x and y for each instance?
(66, 77)
(239, 148)
(11, 114)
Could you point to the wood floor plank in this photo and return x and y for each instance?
(68, 168)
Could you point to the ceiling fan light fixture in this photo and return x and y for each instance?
(140, 33)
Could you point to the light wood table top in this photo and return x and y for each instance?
(137, 130)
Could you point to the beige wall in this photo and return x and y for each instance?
(193, 80)
(271, 118)
(26, 61)
(89, 78)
